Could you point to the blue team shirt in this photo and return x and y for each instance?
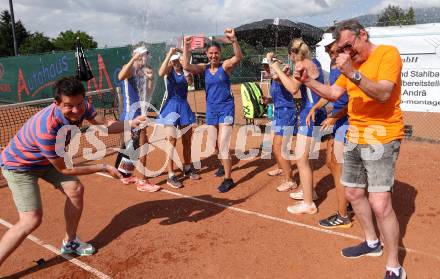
(218, 90)
(281, 97)
(343, 101)
(177, 86)
(311, 98)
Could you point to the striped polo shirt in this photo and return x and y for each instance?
(34, 143)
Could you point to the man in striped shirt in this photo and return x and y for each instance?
(36, 152)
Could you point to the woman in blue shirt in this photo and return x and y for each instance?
(284, 125)
(299, 53)
(219, 98)
(176, 113)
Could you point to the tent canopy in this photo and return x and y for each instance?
(265, 33)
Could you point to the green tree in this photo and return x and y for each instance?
(410, 17)
(36, 43)
(6, 38)
(66, 40)
(394, 15)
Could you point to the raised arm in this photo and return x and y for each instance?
(127, 70)
(292, 85)
(230, 63)
(331, 93)
(166, 66)
(149, 75)
(379, 91)
(189, 77)
(192, 68)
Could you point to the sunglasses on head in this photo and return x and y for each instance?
(295, 50)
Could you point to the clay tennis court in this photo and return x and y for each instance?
(196, 232)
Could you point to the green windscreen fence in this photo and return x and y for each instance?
(29, 78)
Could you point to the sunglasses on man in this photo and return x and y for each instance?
(348, 47)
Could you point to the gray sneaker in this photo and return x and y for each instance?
(336, 221)
(191, 173)
(78, 247)
(173, 182)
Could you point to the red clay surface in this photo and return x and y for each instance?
(164, 235)
(161, 235)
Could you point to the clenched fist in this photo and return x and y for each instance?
(301, 74)
(230, 34)
(345, 64)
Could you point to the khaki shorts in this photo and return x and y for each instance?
(25, 189)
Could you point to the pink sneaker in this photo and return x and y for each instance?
(129, 180)
(145, 186)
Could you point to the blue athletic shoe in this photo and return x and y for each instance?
(220, 171)
(226, 185)
(361, 250)
(191, 173)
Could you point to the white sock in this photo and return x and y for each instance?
(186, 167)
(395, 270)
(171, 174)
(372, 243)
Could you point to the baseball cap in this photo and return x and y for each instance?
(327, 40)
(141, 50)
(175, 57)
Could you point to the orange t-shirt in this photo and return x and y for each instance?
(370, 121)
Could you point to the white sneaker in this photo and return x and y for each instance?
(78, 247)
(302, 208)
(287, 186)
(275, 172)
(298, 195)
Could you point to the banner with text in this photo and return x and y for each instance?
(27, 78)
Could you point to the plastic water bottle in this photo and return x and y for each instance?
(270, 111)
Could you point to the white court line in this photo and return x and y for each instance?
(54, 250)
(290, 222)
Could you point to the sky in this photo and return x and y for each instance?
(118, 23)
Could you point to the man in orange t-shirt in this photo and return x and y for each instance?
(371, 75)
